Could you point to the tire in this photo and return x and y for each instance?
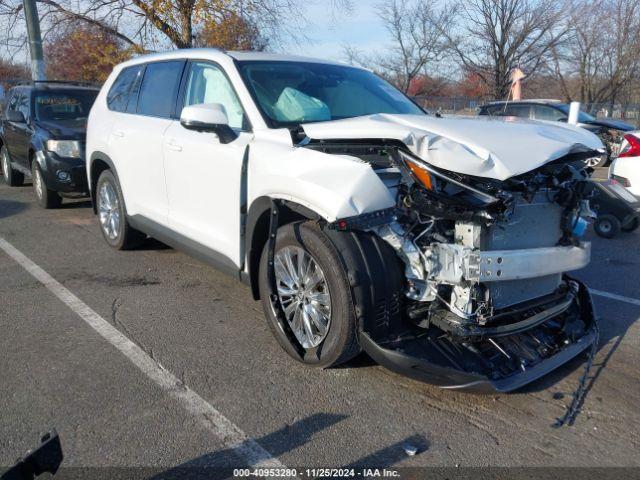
(352, 293)
(46, 198)
(607, 226)
(598, 163)
(112, 215)
(631, 226)
(11, 177)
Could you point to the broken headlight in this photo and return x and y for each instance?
(441, 184)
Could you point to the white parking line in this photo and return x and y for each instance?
(232, 437)
(613, 296)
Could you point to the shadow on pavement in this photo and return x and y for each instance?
(9, 208)
(220, 464)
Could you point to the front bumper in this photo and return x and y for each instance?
(427, 358)
(74, 178)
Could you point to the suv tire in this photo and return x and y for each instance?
(112, 214)
(46, 198)
(607, 226)
(354, 284)
(11, 177)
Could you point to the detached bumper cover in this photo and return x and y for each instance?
(429, 360)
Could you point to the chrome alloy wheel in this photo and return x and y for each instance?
(304, 295)
(37, 182)
(109, 210)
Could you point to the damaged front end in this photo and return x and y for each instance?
(487, 303)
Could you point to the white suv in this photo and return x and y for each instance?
(437, 245)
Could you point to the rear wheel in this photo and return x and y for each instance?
(607, 226)
(112, 214)
(11, 177)
(46, 198)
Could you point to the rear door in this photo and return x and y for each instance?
(137, 135)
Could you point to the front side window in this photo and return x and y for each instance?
(63, 105)
(521, 111)
(22, 105)
(543, 112)
(290, 93)
(206, 83)
(159, 88)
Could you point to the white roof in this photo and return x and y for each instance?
(216, 54)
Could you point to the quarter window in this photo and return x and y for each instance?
(159, 88)
(118, 96)
(208, 84)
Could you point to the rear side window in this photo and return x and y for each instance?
(118, 96)
(159, 88)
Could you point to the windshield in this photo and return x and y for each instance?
(582, 116)
(64, 105)
(290, 93)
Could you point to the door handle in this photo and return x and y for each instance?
(118, 133)
(173, 146)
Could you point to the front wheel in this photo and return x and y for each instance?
(319, 324)
(46, 198)
(112, 215)
(632, 225)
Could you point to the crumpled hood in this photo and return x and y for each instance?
(497, 148)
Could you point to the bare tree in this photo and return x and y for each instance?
(146, 24)
(496, 36)
(599, 62)
(418, 32)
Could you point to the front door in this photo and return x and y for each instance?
(204, 176)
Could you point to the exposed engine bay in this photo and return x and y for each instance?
(486, 302)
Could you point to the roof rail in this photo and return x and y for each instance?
(57, 82)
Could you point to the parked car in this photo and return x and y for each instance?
(42, 136)
(625, 169)
(617, 210)
(610, 131)
(359, 221)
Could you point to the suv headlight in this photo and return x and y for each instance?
(64, 148)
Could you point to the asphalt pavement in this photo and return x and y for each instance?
(187, 323)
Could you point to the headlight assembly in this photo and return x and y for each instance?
(437, 182)
(64, 148)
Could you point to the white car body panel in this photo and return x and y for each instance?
(628, 167)
(204, 180)
(334, 186)
(496, 148)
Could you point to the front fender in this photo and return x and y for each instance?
(333, 186)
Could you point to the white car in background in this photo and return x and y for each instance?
(626, 168)
(437, 245)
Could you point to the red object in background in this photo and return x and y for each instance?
(633, 147)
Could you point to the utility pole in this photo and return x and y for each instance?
(35, 40)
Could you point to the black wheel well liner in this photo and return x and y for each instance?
(375, 272)
(257, 231)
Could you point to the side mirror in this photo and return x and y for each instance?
(15, 116)
(208, 117)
